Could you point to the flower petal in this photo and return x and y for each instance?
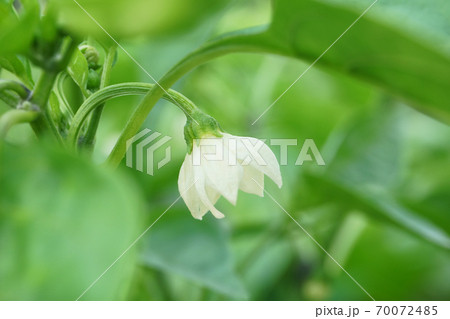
(202, 189)
(269, 164)
(188, 191)
(221, 175)
(252, 181)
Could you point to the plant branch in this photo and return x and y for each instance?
(40, 96)
(9, 98)
(15, 87)
(44, 87)
(98, 99)
(232, 43)
(12, 117)
(96, 114)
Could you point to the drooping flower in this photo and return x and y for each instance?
(219, 164)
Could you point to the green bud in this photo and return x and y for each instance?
(91, 54)
(199, 125)
(93, 82)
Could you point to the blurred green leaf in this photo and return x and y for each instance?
(16, 32)
(382, 207)
(122, 18)
(78, 69)
(196, 250)
(392, 265)
(373, 50)
(63, 221)
(369, 154)
(21, 69)
(365, 174)
(266, 270)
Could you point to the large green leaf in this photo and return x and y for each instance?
(381, 206)
(367, 170)
(63, 221)
(375, 50)
(16, 32)
(121, 18)
(406, 60)
(195, 250)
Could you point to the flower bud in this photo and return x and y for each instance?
(93, 82)
(92, 56)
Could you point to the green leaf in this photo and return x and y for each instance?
(371, 152)
(21, 69)
(373, 50)
(63, 221)
(381, 206)
(121, 20)
(366, 171)
(79, 71)
(393, 56)
(16, 32)
(196, 250)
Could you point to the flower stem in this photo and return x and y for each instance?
(12, 117)
(44, 87)
(10, 99)
(40, 96)
(16, 87)
(238, 42)
(96, 114)
(99, 98)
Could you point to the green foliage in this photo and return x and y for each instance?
(18, 67)
(383, 194)
(12, 24)
(198, 251)
(123, 20)
(365, 174)
(62, 222)
(405, 65)
(79, 71)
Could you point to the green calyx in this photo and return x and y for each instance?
(199, 125)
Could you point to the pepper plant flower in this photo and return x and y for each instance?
(219, 164)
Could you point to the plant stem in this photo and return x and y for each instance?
(96, 114)
(12, 117)
(40, 96)
(16, 87)
(98, 99)
(10, 99)
(44, 87)
(238, 42)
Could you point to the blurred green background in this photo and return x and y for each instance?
(380, 206)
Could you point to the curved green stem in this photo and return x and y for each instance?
(9, 98)
(238, 42)
(98, 99)
(96, 114)
(16, 87)
(12, 117)
(60, 92)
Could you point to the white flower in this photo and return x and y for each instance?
(222, 165)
